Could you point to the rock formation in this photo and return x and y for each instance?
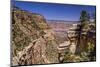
(33, 41)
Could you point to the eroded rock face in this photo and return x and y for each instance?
(33, 42)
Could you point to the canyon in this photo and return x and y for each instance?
(36, 40)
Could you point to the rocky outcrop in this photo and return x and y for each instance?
(33, 41)
(82, 45)
(38, 52)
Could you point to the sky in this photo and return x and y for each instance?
(51, 11)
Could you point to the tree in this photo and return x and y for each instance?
(84, 19)
(84, 16)
(82, 36)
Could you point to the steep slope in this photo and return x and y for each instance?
(33, 41)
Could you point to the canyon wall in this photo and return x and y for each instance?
(33, 41)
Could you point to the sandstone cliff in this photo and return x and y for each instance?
(33, 41)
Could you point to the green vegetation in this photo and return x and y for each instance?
(84, 16)
(84, 19)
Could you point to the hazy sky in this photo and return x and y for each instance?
(55, 11)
